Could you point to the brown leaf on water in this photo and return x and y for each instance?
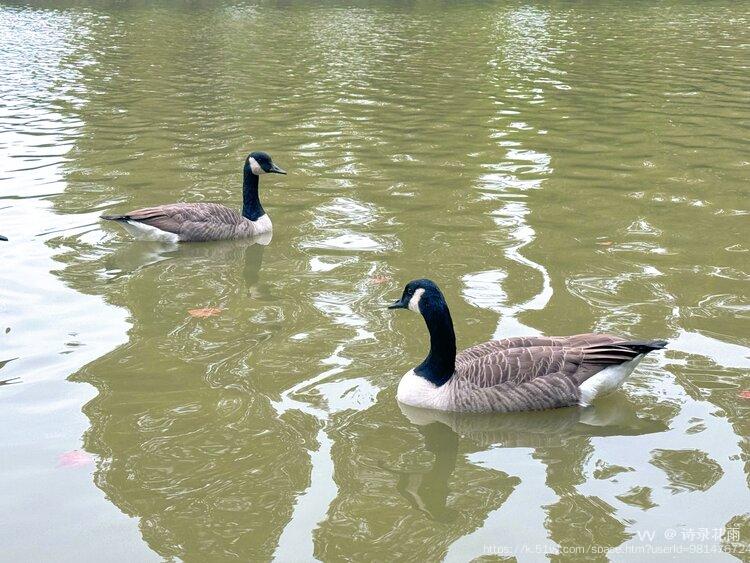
(205, 312)
(380, 279)
(745, 394)
(605, 242)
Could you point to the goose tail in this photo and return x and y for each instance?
(613, 375)
(644, 346)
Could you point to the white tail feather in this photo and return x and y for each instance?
(607, 380)
(147, 232)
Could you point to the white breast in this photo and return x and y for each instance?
(416, 391)
(263, 224)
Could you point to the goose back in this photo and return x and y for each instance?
(588, 339)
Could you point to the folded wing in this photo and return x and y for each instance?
(517, 361)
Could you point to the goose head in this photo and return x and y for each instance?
(424, 297)
(421, 296)
(259, 162)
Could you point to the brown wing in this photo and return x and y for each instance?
(191, 221)
(158, 217)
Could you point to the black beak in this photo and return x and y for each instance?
(3, 238)
(398, 305)
(276, 170)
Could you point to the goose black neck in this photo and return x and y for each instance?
(251, 207)
(440, 363)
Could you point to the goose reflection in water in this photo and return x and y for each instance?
(428, 491)
(215, 257)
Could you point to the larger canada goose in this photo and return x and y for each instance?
(514, 374)
(197, 222)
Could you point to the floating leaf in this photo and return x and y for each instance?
(605, 242)
(205, 312)
(380, 279)
(75, 458)
(745, 394)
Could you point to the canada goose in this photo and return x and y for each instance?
(513, 374)
(198, 222)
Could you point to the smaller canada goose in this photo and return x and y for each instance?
(197, 222)
(514, 374)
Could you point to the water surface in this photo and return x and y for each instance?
(556, 167)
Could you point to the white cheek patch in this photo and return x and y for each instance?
(255, 167)
(414, 301)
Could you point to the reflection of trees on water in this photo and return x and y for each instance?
(543, 431)
(625, 278)
(406, 494)
(428, 490)
(430, 467)
(558, 439)
(203, 460)
(179, 422)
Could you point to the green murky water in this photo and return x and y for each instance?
(557, 167)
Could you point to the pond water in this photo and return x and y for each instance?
(557, 167)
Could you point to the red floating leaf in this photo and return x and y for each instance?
(379, 279)
(745, 394)
(75, 458)
(205, 312)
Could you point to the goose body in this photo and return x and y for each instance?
(513, 374)
(198, 222)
